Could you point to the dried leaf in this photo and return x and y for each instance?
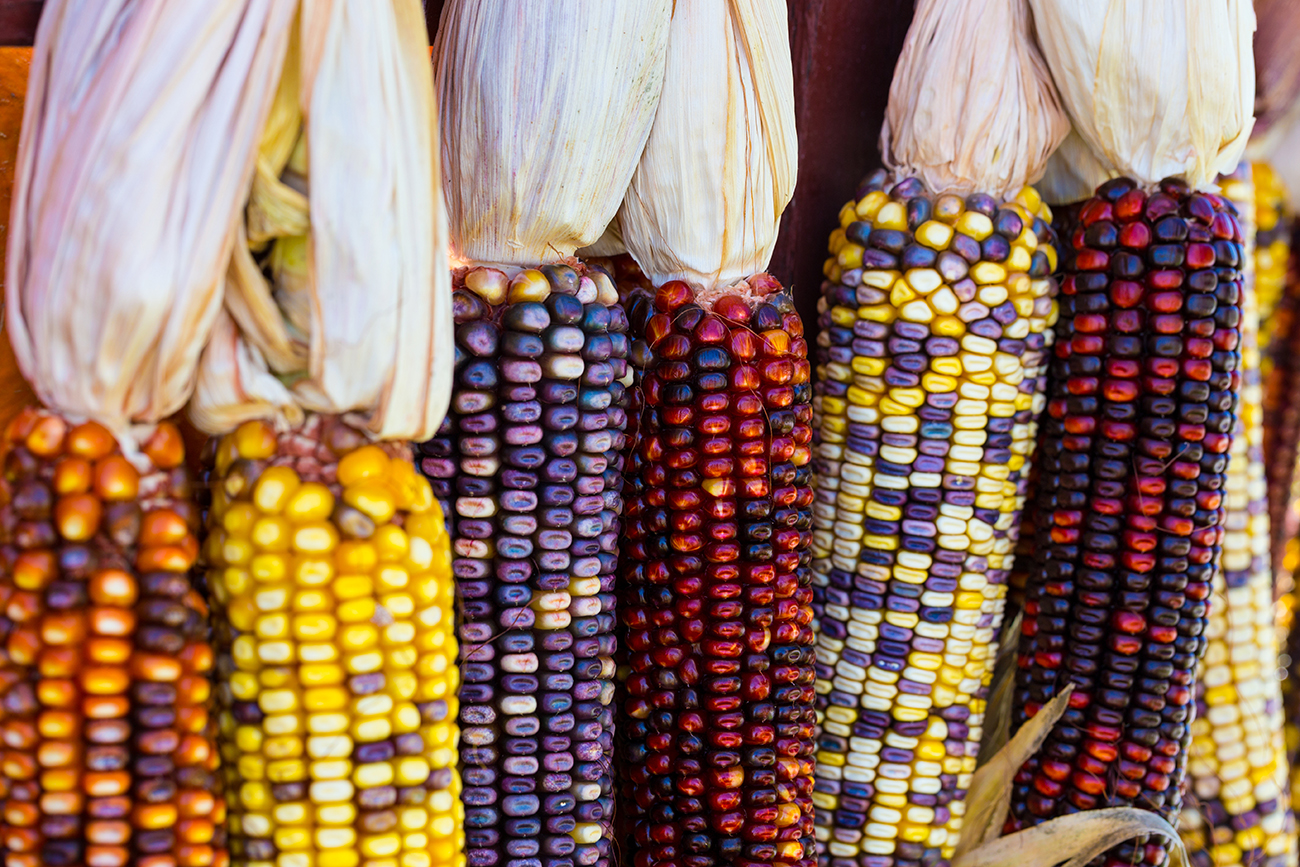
(138, 145)
(972, 106)
(719, 167)
(997, 713)
(545, 110)
(1074, 840)
(989, 797)
(1155, 88)
(365, 281)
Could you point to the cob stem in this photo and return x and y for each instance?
(715, 607)
(528, 466)
(104, 675)
(1134, 453)
(329, 570)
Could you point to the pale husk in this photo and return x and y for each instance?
(139, 137)
(972, 106)
(720, 165)
(357, 318)
(1074, 840)
(1154, 88)
(989, 795)
(1071, 841)
(545, 110)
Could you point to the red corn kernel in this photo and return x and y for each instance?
(1094, 210)
(1092, 260)
(1126, 293)
(1168, 323)
(1167, 279)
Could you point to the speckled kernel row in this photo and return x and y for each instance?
(528, 465)
(109, 757)
(329, 569)
(935, 321)
(1144, 386)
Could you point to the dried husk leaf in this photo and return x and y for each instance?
(1074, 840)
(972, 106)
(545, 109)
(997, 711)
(720, 165)
(1155, 88)
(367, 288)
(139, 138)
(989, 797)
(608, 244)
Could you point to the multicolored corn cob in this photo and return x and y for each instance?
(935, 316)
(1134, 452)
(1238, 812)
(109, 757)
(715, 602)
(528, 466)
(330, 572)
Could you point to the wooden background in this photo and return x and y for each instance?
(844, 53)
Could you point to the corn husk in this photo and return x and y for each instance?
(346, 214)
(536, 160)
(139, 136)
(972, 106)
(1068, 841)
(1154, 89)
(719, 168)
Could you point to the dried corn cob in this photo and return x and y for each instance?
(337, 704)
(1237, 770)
(717, 742)
(1134, 450)
(935, 318)
(105, 679)
(529, 470)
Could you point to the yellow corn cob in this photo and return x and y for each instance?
(1239, 810)
(329, 566)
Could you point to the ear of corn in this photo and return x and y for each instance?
(934, 330)
(717, 733)
(1130, 501)
(328, 562)
(1239, 809)
(104, 676)
(529, 468)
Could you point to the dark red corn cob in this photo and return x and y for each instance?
(716, 595)
(528, 465)
(1133, 458)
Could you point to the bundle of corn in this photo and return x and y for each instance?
(528, 464)
(1239, 812)
(328, 559)
(934, 321)
(1141, 409)
(717, 717)
(117, 242)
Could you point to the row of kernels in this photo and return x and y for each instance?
(1114, 607)
(868, 431)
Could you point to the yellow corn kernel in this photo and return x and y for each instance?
(365, 463)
